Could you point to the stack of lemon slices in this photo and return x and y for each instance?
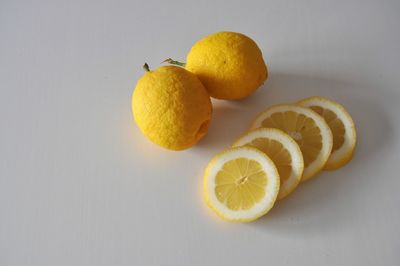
(286, 145)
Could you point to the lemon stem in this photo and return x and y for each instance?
(146, 67)
(174, 62)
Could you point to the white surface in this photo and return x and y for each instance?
(79, 184)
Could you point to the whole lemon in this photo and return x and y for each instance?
(171, 107)
(229, 64)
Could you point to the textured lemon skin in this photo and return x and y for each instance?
(171, 107)
(229, 64)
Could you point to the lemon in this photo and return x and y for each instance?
(229, 64)
(241, 184)
(171, 107)
(283, 151)
(341, 125)
(306, 127)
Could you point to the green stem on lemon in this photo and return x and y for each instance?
(174, 62)
(146, 67)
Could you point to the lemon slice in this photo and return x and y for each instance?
(283, 151)
(306, 127)
(241, 184)
(341, 125)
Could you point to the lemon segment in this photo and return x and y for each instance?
(241, 184)
(283, 151)
(306, 127)
(341, 125)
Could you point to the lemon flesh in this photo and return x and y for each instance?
(229, 64)
(307, 128)
(341, 125)
(171, 107)
(283, 151)
(241, 184)
(336, 126)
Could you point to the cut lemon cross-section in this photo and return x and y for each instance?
(341, 125)
(306, 127)
(283, 151)
(241, 184)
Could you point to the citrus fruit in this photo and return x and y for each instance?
(229, 64)
(241, 184)
(283, 151)
(171, 107)
(306, 127)
(341, 125)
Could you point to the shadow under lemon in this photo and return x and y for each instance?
(319, 204)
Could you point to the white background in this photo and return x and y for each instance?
(80, 185)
